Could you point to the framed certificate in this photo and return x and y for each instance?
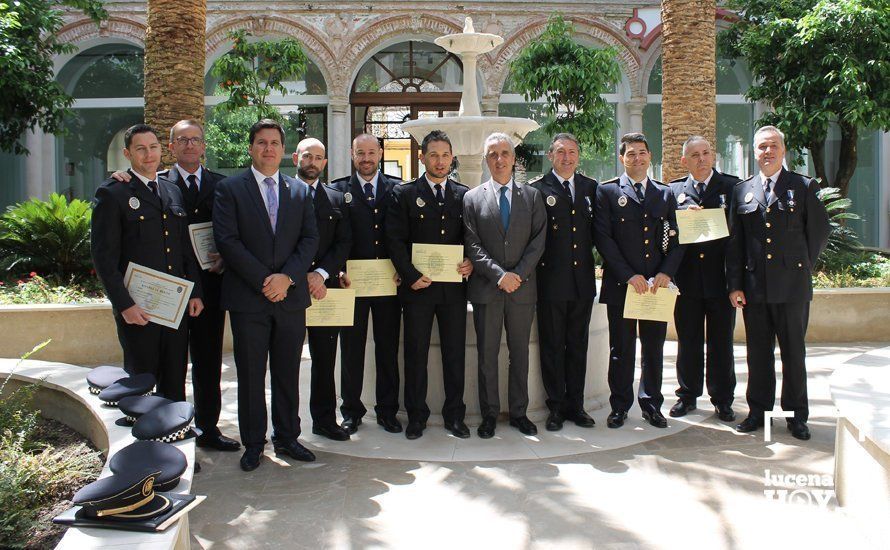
(201, 235)
(163, 297)
(371, 277)
(650, 307)
(438, 261)
(337, 309)
(698, 226)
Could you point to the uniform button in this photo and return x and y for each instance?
(768, 209)
(375, 210)
(769, 256)
(768, 240)
(622, 219)
(768, 224)
(376, 242)
(645, 215)
(573, 212)
(574, 229)
(168, 250)
(330, 217)
(576, 262)
(799, 264)
(443, 216)
(443, 231)
(166, 233)
(702, 255)
(141, 217)
(165, 216)
(646, 228)
(196, 210)
(647, 255)
(376, 226)
(574, 246)
(421, 216)
(646, 241)
(170, 267)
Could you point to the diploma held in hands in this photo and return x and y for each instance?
(438, 261)
(698, 226)
(163, 297)
(201, 235)
(648, 306)
(371, 277)
(337, 309)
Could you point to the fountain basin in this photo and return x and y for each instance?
(468, 133)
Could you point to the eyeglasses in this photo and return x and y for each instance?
(183, 141)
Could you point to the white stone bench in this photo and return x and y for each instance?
(860, 389)
(64, 396)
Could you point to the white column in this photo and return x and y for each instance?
(34, 165)
(339, 138)
(635, 113)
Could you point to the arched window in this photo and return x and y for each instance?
(106, 82)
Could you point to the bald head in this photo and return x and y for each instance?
(366, 155)
(310, 159)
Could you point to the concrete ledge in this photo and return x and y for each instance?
(860, 389)
(64, 396)
(837, 315)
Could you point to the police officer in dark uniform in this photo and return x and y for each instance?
(701, 279)
(366, 194)
(566, 283)
(779, 228)
(205, 332)
(335, 240)
(635, 222)
(430, 210)
(145, 222)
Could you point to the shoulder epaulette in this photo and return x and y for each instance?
(613, 180)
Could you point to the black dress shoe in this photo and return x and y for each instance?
(724, 412)
(217, 441)
(524, 425)
(351, 424)
(616, 419)
(750, 424)
(681, 407)
(798, 429)
(331, 431)
(414, 430)
(250, 460)
(581, 418)
(390, 424)
(294, 450)
(486, 429)
(655, 418)
(458, 429)
(554, 421)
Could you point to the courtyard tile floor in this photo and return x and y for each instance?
(696, 485)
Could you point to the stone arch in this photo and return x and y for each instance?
(593, 29)
(648, 65)
(113, 27)
(314, 44)
(389, 30)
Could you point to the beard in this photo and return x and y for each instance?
(308, 174)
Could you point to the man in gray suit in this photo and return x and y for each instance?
(504, 237)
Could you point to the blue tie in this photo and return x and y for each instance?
(369, 193)
(271, 202)
(505, 208)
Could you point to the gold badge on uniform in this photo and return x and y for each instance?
(347, 196)
(749, 197)
(622, 201)
(134, 203)
(420, 202)
(551, 201)
(682, 198)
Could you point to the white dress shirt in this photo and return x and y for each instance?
(259, 176)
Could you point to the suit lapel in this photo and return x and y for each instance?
(142, 192)
(519, 210)
(254, 192)
(756, 189)
(629, 191)
(449, 194)
(208, 186)
(558, 188)
(780, 187)
(491, 202)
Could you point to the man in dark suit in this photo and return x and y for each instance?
(566, 283)
(634, 217)
(205, 332)
(701, 279)
(779, 228)
(430, 210)
(366, 194)
(505, 239)
(335, 240)
(264, 227)
(144, 222)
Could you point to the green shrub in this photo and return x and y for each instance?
(34, 289)
(843, 243)
(47, 237)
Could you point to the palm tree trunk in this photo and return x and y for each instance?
(688, 103)
(174, 63)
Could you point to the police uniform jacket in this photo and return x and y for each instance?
(567, 271)
(702, 273)
(630, 235)
(367, 221)
(415, 216)
(774, 245)
(334, 233)
(200, 210)
(132, 224)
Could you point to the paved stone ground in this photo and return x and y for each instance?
(700, 488)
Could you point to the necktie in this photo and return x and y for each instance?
(505, 208)
(699, 188)
(439, 198)
(193, 187)
(271, 202)
(565, 185)
(639, 188)
(768, 190)
(312, 192)
(369, 193)
(153, 186)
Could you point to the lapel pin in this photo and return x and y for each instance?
(722, 201)
(551, 200)
(420, 202)
(134, 203)
(749, 197)
(681, 198)
(791, 201)
(622, 201)
(347, 197)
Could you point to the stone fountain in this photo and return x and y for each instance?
(469, 128)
